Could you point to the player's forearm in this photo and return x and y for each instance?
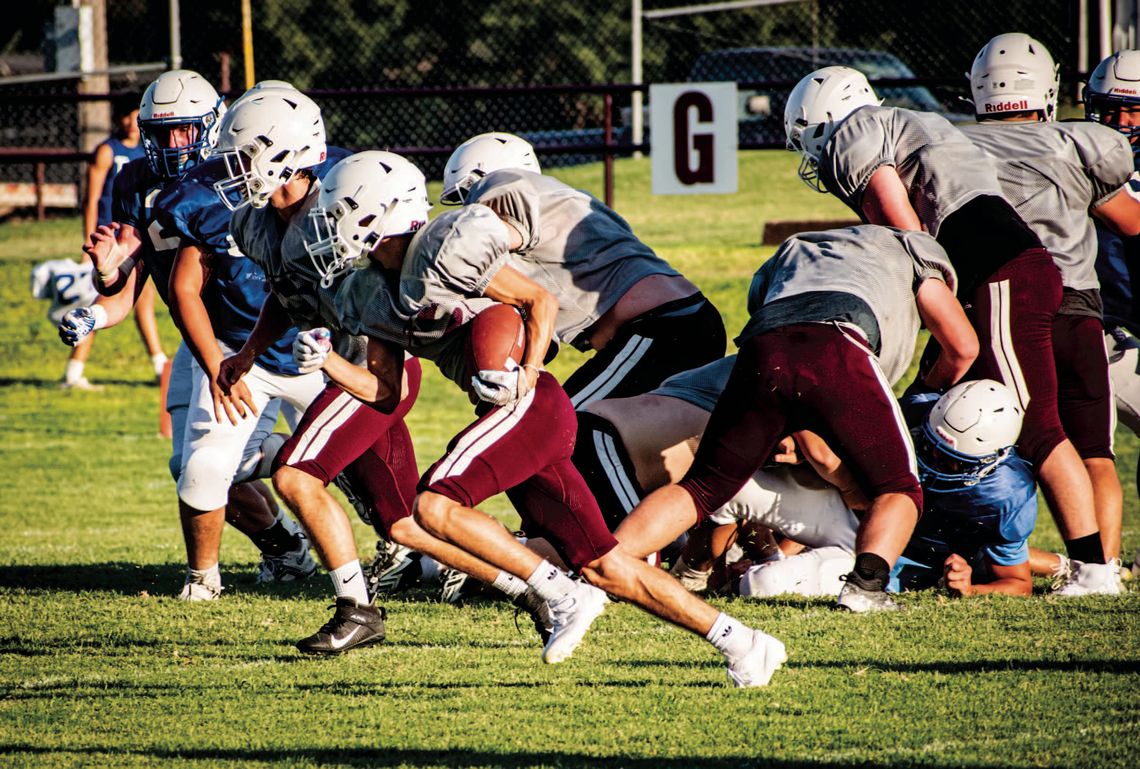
(362, 384)
(272, 323)
(1007, 586)
(540, 317)
(189, 314)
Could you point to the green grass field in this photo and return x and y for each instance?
(100, 666)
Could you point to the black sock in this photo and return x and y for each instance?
(871, 571)
(275, 540)
(1085, 549)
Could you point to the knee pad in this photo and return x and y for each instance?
(205, 480)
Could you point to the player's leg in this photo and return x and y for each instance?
(73, 378)
(1013, 314)
(212, 453)
(1124, 371)
(148, 328)
(675, 337)
(817, 572)
(1088, 414)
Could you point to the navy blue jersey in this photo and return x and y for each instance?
(136, 190)
(121, 155)
(988, 522)
(236, 287)
(1117, 266)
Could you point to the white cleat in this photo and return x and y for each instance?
(197, 590)
(1092, 579)
(571, 616)
(757, 666)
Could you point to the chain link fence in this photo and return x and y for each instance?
(389, 74)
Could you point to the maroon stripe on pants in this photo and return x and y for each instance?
(525, 448)
(1084, 394)
(804, 376)
(1029, 299)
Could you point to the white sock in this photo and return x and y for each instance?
(348, 582)
(74, 371)
(211, 576)
(730, 637)
(509, 584)
(429, 569)
(159, 361)
(550, 582)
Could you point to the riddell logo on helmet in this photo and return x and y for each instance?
(1008, 106)
(1131, 91)
(163, 114)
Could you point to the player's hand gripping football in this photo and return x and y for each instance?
(311, 349)
(76, 325)
(504, 387)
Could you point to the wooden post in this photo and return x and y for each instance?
(41, 169)
(608, 162)
(247, 42)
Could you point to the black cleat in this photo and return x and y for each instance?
(352, 625)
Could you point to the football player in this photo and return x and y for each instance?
(916, 171)
(644, 320)
(834, 320)
(216, 293)
(178, 122)
(111, 156)
(1112, 97)
(369, 452)
(523, 438)
(628, 447)
(1059, 176)
(980, 495)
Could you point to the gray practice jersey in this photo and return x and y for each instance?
(791, 500)
(1055, 174)
(574, 246)
(279, 249)
(368, 301)
(941, 168)
(865, 276)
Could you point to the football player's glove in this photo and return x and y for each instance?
(76, 325)
(501, 387)
(311, 348)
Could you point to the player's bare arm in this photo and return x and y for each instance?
(831, 468)
(886, 202)
(272, 323)
(187, 281)
(97, 172)
(1121, 214)
(510, 286)
(1010, 580)
(379, 385)
(943, 316)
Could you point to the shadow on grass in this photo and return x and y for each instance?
(53, 384)
(381, 757)
(157, 580)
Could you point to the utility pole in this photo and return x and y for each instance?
(94, 116)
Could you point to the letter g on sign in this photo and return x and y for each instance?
(686, 142)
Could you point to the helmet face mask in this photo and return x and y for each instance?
(479, 156)
(179, 102)
(816, 107)
(269, 136)
(941, 468)
(364, 199)
(1113, 91)
(1013, 74)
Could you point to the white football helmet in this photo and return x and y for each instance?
(969, 432)
(816, 107)
(1115, 84)
(363, 199)
(264, 85)
(479, 156)
(1014, 73)
(175, 99)
(265, 138)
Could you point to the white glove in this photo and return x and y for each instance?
(500, 387)
(311, 348)
(79, 323)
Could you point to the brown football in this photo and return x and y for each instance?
(497, 340)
